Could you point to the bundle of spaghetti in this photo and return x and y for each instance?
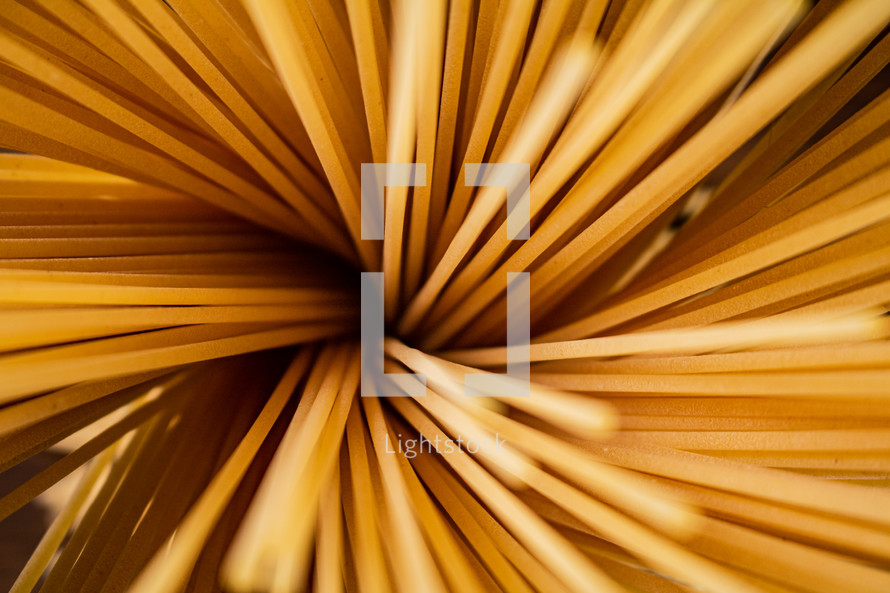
(181, 235)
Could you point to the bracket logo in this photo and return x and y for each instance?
(515, 178)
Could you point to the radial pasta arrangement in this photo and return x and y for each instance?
(424, 296)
